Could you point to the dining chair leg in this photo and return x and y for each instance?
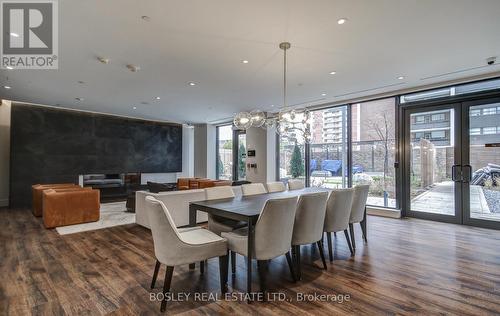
(363, 229)
(223, 266)
(202, 267)
(353, 241)
(330, 250)
(233, 262)
(290, 266)
(261, 267)
(166, 287)
(322, 254)
(299, 270)
(348, 242)
(155, 273)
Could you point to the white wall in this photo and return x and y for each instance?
(257, 140)
(204, 151)
(272, 155)
(4, 152)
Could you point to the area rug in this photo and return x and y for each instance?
(112, 214)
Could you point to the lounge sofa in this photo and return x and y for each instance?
(37, 192)
(69, 206)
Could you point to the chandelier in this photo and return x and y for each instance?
(288, 122)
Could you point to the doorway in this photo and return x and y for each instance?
(452, 162)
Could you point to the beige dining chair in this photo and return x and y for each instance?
(308, 226)
(253, 189)
(218, 224)
(174, 247)
(295, 184)
(275, 187)
(358, 212)
(338, 211)
(272, 235)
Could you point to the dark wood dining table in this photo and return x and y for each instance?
(243, 208)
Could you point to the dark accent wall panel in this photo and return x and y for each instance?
(54, 145)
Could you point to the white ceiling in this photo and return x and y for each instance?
(204, 42)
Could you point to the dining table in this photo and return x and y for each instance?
(246, 209)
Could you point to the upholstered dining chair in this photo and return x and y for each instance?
(308, 226)
(219, 224)
(253, 189)
(272, 235)
(294, 184)
(338, 211)
(358, 211)
(275, 187)
(175, 247)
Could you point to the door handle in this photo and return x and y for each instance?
(454, 177)
(467, 175)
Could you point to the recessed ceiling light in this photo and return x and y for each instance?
(79, 99)
(157, 98)
(146, 18)
(135, 108)
(14, 34)
(133, 68)
(341, 21)
(245, 61)
(192, 83)
(9, 67)
(323, 94)
(144, 102)
(7, 87)
(103, 60)
(81, 82)
(332, 72)
(272, 105)
(401, 78)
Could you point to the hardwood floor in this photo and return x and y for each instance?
(408, 267)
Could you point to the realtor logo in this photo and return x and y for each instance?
(29, 34)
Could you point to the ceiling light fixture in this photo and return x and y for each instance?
(289, 122)
(192, 83)
(7, 87)
(333, 72)
(341, 21)
(157, 98)
(14, 34)
(323, 94)
(146, 18)
(79, 99)
(245, 61)
(9, 67)
(401, 78)
(135, 108)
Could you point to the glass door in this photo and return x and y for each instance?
(432, 163)
(481, 163)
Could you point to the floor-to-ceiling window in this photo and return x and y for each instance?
(292, 157)
(225, 152)
(329, 148)
(373, 133)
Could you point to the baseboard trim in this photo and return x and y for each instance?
(384, 212)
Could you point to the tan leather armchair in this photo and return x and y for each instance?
(69, 206)
(37, 193)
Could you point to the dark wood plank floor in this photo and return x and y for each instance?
(408, 267)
